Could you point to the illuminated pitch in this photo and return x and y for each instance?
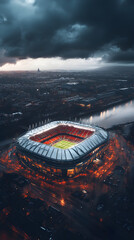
(64, 144)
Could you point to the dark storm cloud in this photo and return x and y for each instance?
(69, 29)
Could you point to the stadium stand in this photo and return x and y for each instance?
(59, 133)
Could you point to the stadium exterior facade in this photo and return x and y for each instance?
(61, 148)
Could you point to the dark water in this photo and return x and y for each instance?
(114, 116)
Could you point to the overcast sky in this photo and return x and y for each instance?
(65, 34)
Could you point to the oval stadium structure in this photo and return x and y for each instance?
(60, 148)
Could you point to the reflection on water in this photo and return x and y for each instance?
(113, 116)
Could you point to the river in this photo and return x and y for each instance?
(119, 114)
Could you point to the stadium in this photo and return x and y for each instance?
(60, 148)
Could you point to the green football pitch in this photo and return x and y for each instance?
(63, 144)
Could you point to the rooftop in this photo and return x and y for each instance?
(60, 142)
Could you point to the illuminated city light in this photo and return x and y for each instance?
(62, 202)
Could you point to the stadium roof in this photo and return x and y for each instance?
(57, 155)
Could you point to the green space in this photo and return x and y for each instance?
(64, 144)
